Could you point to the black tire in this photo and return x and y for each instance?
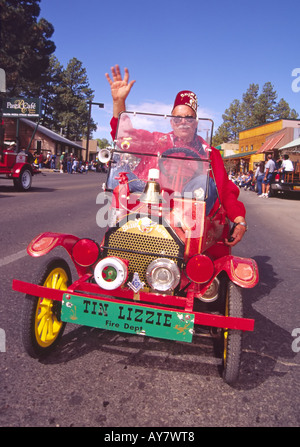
(41, 324)
(232, 339)
(24, 181)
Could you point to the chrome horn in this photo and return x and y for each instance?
(105, 155)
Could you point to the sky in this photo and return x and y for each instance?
(214, 48)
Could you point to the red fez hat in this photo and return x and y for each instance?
(186, 98)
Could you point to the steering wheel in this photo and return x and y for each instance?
(182, 172)
(175, 150)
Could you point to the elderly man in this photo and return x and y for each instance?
(184, 128)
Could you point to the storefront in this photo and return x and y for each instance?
(257, 142)
(36, 138)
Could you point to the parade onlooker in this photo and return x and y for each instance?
(259, 175)
(269, 176)
(53, 161)
(69, 163)
(75, 165)
(248, 181)
(61, 162)
(286, 166)
(41, 160)
(48, 159)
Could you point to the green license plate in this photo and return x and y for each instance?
(171, 325)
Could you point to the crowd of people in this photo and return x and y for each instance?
(266, 172)
(65, 163)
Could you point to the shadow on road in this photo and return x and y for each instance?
(269, 342)
(11, 189)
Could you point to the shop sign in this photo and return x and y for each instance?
(22, 107)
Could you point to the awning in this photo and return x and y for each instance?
(239, 155)
(270, 144)
(293, 144)
(52, 135)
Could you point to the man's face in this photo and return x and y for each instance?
(184, 122)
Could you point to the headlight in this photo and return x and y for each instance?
(85, 252)
(199, 269)
(163, 274)
(110, 273)
(212, 292)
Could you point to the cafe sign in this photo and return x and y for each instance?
(22, 107)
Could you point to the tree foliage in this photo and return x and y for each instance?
(254, 110)
(70, 102)
(25, 45)
(103, 143)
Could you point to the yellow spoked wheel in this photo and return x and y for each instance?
(41, 326)
(232, 339)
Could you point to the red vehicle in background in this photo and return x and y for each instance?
(15, 165)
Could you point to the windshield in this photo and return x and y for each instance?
(173, 150)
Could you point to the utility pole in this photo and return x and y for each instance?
(90, 103)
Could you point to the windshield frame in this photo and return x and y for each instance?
(124, 155)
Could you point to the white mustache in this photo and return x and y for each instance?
(184, 126)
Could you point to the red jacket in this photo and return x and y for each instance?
(228, 191)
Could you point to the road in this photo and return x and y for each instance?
(108, 379)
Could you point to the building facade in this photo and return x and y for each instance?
(256, 142)
(25, 133)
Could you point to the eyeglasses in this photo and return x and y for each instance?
(178, 119)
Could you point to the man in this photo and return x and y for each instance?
(286, 166)
(185, 108)
(269, 176)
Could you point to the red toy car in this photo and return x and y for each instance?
(162, 269)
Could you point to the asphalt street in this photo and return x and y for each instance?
(109, 379)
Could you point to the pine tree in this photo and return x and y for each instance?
(283, 111)
(25, 45)
(70, 108)
(50, 82)
(232, 124)
(254, 110)
(248, 105)
(264, 107)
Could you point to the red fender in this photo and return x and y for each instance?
(241, 271)
(45, 242)
(17, 168)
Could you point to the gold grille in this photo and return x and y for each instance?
(143, 243)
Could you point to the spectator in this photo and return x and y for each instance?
(48, 158)
(269, 176)
(69, 163)
(61, 162)
(248, 184)
(75, 165)
(259, 175)
(286, 166)
(53, 161)
(41, 160)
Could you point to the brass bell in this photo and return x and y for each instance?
(151, 192)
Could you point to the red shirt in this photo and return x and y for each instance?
(228, 191)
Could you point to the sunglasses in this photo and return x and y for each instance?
(178, 119)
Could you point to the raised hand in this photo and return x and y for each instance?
(120, 88)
